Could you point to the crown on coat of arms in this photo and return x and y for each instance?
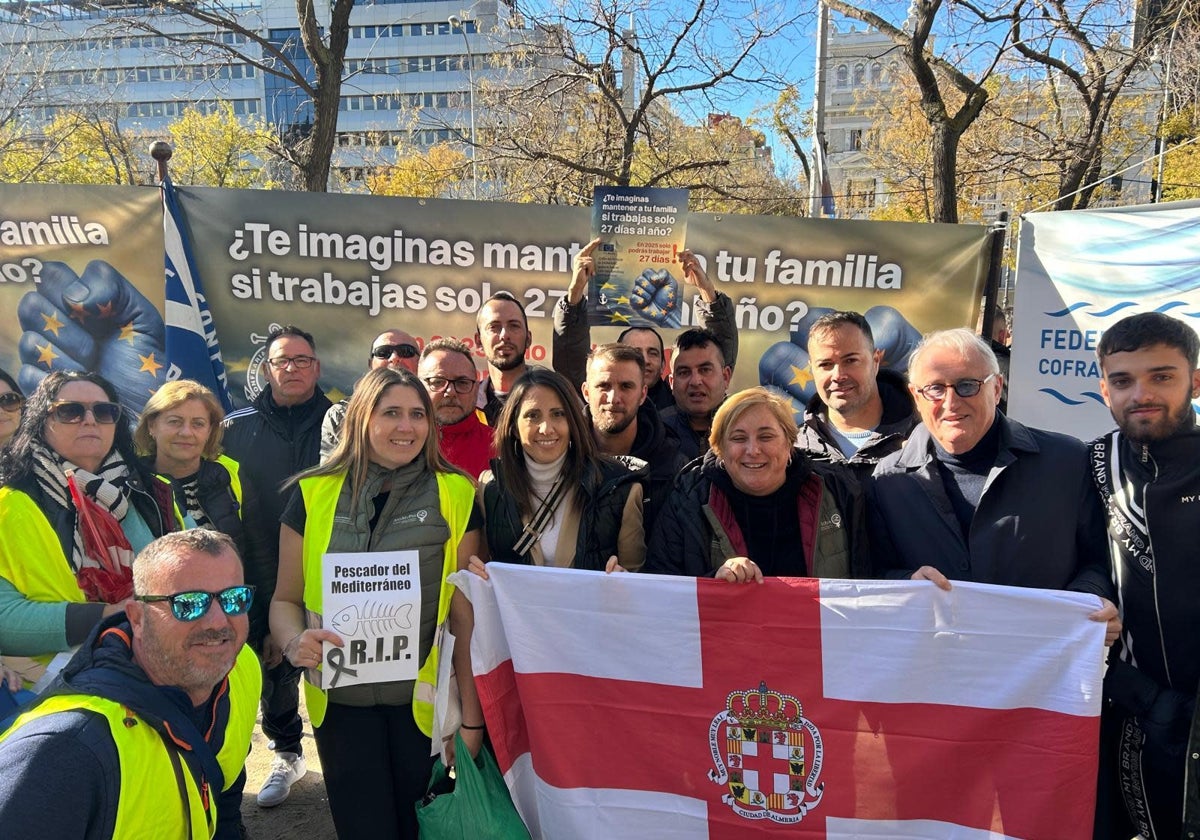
(765, 708)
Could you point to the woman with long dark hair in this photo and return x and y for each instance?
(385, 492)
(75, 507)
(550, 498)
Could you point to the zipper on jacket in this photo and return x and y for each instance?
(1162, 640)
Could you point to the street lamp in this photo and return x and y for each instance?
(456, 22)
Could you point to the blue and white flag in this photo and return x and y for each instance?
(193, 351)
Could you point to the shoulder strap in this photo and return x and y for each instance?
(542, 517)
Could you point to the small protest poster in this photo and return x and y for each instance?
(638, 280)
(373, 601)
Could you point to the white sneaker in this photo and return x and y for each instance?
(287, 768)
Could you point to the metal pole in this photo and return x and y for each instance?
(818, 167)
(457, 23)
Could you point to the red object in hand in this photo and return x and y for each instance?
(111, 581)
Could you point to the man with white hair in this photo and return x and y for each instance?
(976, 496)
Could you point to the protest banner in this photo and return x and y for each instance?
(1079, 272)
(81, 283)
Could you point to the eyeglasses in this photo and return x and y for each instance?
(192, 606)
(298, 362)
(404, 351)
(437, 384)
(11, 401)
(69, 411)
(963, 387)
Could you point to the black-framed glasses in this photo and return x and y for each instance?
(404, 351)
(298, 362)
(192, 606)
(11, 401)
(963, 387)
(70, 411)
(438, 384)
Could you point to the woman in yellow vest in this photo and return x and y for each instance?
(58, 577)
(179, 437)
(365, 549)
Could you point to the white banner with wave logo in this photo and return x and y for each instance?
(1079, 272)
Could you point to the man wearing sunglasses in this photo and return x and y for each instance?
(976, 496)
(147, 728)
(394, 349)
(273, 439)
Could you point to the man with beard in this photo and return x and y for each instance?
(860, 412)
(502, 332)
(572, 339)
(1148, 473)
(624, 423)
(391, 348)
(699, 381)
(145, 732)
(448, 372)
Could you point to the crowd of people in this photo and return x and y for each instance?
(601, 464)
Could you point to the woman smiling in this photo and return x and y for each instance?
(755, 505)
(75, 507)
(179, 437)
(550, 499)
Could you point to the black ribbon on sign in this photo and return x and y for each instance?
(336, 660)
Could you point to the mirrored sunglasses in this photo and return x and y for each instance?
(404, 351)
(69, 411)
(192, 606)
(11, 401)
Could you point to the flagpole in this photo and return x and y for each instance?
(818, 167)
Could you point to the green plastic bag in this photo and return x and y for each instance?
(479, 806)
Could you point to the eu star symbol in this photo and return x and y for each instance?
(52, 324)
(149, 365)
(620, 317)
(127, 333)
(800, 376)
(46, 355)
(78, 313)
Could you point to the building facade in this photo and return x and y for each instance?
(409, 78)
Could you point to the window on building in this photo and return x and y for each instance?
(876, 73)
(860, 75)
(843, 76)
(854, 139)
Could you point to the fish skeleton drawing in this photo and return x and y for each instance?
(373, 619)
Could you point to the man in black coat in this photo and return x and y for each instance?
(273, 439)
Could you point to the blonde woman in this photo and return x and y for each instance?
(384, 489)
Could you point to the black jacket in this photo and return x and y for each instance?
(661, 453)
(271, 443)
(62, 771)
(696, 532)
(214, 491)
(602, 497)
(899, 418)
(1039, 521)
(1152, 493)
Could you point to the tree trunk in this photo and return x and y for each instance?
(943, 144)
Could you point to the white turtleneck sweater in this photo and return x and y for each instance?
(541, 479)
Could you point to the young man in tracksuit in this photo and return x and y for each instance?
(1148, 473)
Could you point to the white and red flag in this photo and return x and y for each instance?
(638, 706)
